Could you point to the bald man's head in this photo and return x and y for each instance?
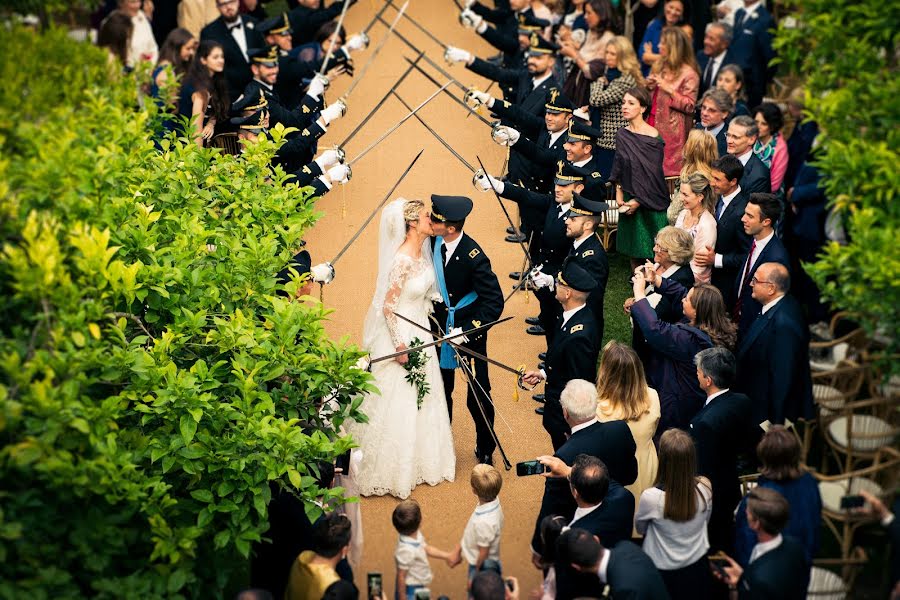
(770, 282)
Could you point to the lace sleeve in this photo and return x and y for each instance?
(400, 271)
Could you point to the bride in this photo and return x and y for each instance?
(402, 445)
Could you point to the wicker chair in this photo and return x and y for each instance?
(832, 390)
(825, 584)
(826, 354)
(861, 429)
(228, 142)
(609, 224)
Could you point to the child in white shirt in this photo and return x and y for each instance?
(481, 538)
(411, 555)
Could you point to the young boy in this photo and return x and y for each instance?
(411, 555)
(481, 538)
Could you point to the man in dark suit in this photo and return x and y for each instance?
(778, 569)
(760, 215)
(714, 55)
(773, 354)
(573, 353)
(611, 442)
(742, 134)
(732, 242)
(720, 432)
(629, 572)
(752, 47)
(469, 286)
(237, 34)
(604, 509)
(716, 106)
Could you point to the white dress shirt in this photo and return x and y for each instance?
(726, 200)
(581, 163)
(583, 512)
(451, 248)
(237, 32)
(584, 425)
(536, 82)
(768, 307)
(601, 568)
(567, 314)
(581, 240)
(745, 156)
(764, 547)
(715, 63)
(751, 260)
(716, 395)
(715, 130)
(556, 136)
(563, 209)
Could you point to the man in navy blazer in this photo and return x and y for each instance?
(742, 134)
(720, 431)
(604, 509)
(611, 442)
(630, 573)
(773, 354)
(716, 105)
(760, 215)
(716, 53)
(732, 242)
(752, 47)
(778, 569)
(238, 35)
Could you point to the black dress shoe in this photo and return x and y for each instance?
(533, 320)
(516, 275)
(510, 230)
(542, 365)
(542, 356)
(538, 398)
(539, 410)
(515, 239)
(535, 330)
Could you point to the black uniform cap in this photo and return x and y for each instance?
(582, 207)
(254, 121)
(529, 23)
(277, 25)
(573, 276)
(538, 46)
(450, 208)
(264, 56)
(582, 132)
(567, 173)
(558, 102)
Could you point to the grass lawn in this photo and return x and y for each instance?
(618, 288)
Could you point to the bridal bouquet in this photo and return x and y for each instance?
(415, 371)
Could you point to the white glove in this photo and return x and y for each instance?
(333, 111)
(542, 280)
(483, 97)
(360, 41)
(454, 54)
(484, 183)
(327, 159)
(339, 174)
(460, 340)
(322, 273)
(470, 20)
(505, 135)
(317, 86)
(363, 363)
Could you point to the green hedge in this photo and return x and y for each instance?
(152, 384)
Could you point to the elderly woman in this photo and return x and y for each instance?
(770, 146)
(779, 454)
(697, 218)
(670, 366)
(674, 82)
(622, 73)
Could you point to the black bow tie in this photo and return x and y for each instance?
(237, 25)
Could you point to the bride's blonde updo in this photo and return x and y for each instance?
(411, 210)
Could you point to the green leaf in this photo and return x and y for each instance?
(221, 539)
(202, 495)
(188, 427)
(295, 478)
(80, 424)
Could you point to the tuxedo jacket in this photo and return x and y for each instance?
(591, 257)
(631, 574)
(757, 177)
(773, 364)
(780, 574)
(773, 252)
(721, 142)
(555, 245)
(702, 61)
(469, 269)
(611, 522)
(752, 49)
(733, 244)
(612, 443)
(721, 430)
(237, 69)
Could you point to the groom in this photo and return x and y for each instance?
(471, 298)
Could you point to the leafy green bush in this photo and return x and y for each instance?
(152, 384)
(847, 52)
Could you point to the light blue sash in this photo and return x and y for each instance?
(448, 356)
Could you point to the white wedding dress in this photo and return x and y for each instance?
(401, 446)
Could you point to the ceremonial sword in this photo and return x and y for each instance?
(472, 331)
(375, 211)
(394, 128)
(435, 134)
(430, 35)
(337, 29)
(434, 81)
(375, 18)
(381, 44)
(506, 212)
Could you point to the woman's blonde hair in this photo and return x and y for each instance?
(411, 210)
(679, 52)
(626, 58)
(621, 381)
(699, 184)
(677, 242)
(699, 151)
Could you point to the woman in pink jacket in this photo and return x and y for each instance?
(674, 82)
(770, 146)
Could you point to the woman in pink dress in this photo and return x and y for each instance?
(697, 219)
(674, 82)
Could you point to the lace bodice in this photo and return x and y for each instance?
(410, 283)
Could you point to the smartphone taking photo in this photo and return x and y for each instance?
(530, 467)
(374, 585)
